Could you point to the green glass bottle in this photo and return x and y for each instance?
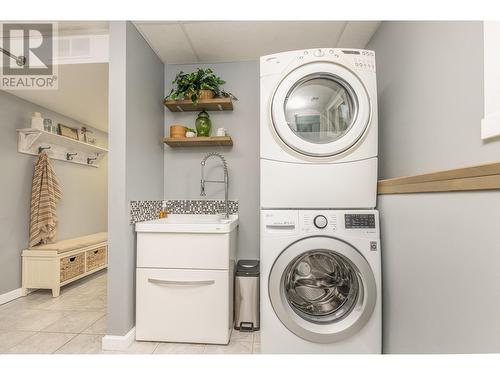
(203, 124)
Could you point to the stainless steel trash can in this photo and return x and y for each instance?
(246, 296)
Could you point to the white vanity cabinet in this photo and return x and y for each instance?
(184, 280)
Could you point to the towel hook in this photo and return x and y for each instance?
(70, 155)
(41, 148)
(91, 160)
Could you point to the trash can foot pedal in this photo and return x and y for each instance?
(246, 327)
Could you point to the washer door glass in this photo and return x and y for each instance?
(320, 108)
(321, 286)
(322, 289)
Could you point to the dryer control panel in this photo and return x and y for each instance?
(359, 59)
(362, 59)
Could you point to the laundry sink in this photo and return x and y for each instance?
(185, 264)
(189, 223)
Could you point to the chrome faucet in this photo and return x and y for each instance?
(225, 181)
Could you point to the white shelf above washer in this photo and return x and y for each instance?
(32, 141)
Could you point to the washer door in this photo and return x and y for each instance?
(320, 109)
(322, 289)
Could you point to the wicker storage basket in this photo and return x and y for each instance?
(96, 258)
(72, 266)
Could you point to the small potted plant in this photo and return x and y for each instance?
(201, 84)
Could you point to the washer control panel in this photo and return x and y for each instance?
(318, 221)
(359, 221)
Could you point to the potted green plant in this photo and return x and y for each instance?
(201, 84)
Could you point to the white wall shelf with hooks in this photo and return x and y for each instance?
(33, 141)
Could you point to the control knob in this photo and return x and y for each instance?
(320, 222)
(319, 53)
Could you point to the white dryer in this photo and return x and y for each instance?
(318, 129)
(320, 282)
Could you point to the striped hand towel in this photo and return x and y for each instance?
(45, 193)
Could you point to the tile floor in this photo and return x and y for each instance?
(75, 322)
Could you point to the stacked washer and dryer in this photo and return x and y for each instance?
(320, 246)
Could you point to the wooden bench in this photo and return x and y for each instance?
(51, 266)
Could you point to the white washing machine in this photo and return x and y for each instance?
(318, 129)
(320, 282)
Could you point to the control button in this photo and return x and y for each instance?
(319, 53)
(320, 222)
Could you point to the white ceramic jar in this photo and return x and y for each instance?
(37, 121)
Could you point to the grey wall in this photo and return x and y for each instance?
(182, 166)
(430, 83)
(82, 209)
(440, 272)
(136, 158)
(440, 250)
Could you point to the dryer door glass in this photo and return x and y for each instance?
(321, 286)
(320, 108)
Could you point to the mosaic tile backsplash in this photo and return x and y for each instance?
(144, 210)
(150, 210)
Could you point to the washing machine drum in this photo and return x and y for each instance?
(320, 109)
(322, 289)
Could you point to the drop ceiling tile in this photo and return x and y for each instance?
(184, 42)
(248, 40)
(169, 41)
(357, 34)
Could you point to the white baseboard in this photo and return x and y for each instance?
(110, 342)
(10, 296)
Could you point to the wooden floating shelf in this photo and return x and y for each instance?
(198, 141)
(216, 104)
(479, 177)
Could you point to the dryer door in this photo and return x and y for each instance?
(320, 109)
(322, 289)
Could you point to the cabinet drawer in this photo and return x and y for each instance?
(96, 258)
(183, 306)
(71, 266)
(183, 250)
